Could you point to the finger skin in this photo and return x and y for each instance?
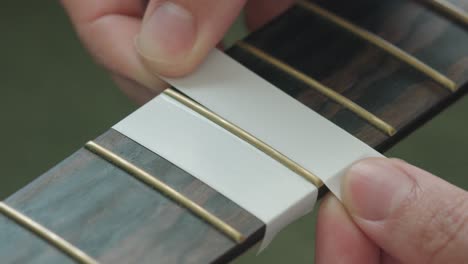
(133, 90)
(212, 19)
(387, 259)
(429, 226)
(84, 12)
(107, 28)
(339, 240)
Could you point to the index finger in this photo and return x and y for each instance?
(108, 29)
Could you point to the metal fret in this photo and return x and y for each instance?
(383, 44)
(450, 10)
(247, 137)
(330, 93)
(166, 190)
(46, 234)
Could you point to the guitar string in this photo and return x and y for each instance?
(47, 235)
(244, 135)
(382, 44)
(81, 257)
(450, 10)
(328, 92)
(165, 189)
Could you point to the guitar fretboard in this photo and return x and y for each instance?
(387, 87)
(378, 69)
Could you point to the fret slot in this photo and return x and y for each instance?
(247, 137)
(382, 44)
(328, 92)
(449, 10)
(165, 189)
(47, 235)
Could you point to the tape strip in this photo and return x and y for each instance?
(245, 175)
(237, 94)
(242, 173)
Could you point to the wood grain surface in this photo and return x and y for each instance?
(367, 75)
(117, 219)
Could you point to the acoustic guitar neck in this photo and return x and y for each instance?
(377, 69)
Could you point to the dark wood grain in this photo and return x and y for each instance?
(362, 72)
(117, 219)
(446, 12)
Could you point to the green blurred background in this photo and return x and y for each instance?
(53, 99)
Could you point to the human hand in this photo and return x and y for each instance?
(393, 213)
(173, 37)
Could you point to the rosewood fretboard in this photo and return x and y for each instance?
(115, 218)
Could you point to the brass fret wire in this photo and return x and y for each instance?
(166, 190)
(244, 135)
(330, 93)
(383, 44)
(449, 9)
(46, 234)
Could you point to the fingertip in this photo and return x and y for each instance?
(171, 68)
(167, 38)
(395, 204)
(339, 240)
(176, 36)
(373, 188)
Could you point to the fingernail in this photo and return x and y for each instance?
(168, 34)
(374, 188)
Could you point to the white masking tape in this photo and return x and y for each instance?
(239, 171)
(237, 94)
(245, 175)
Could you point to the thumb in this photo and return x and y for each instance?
(176, 35)
(412, 215)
